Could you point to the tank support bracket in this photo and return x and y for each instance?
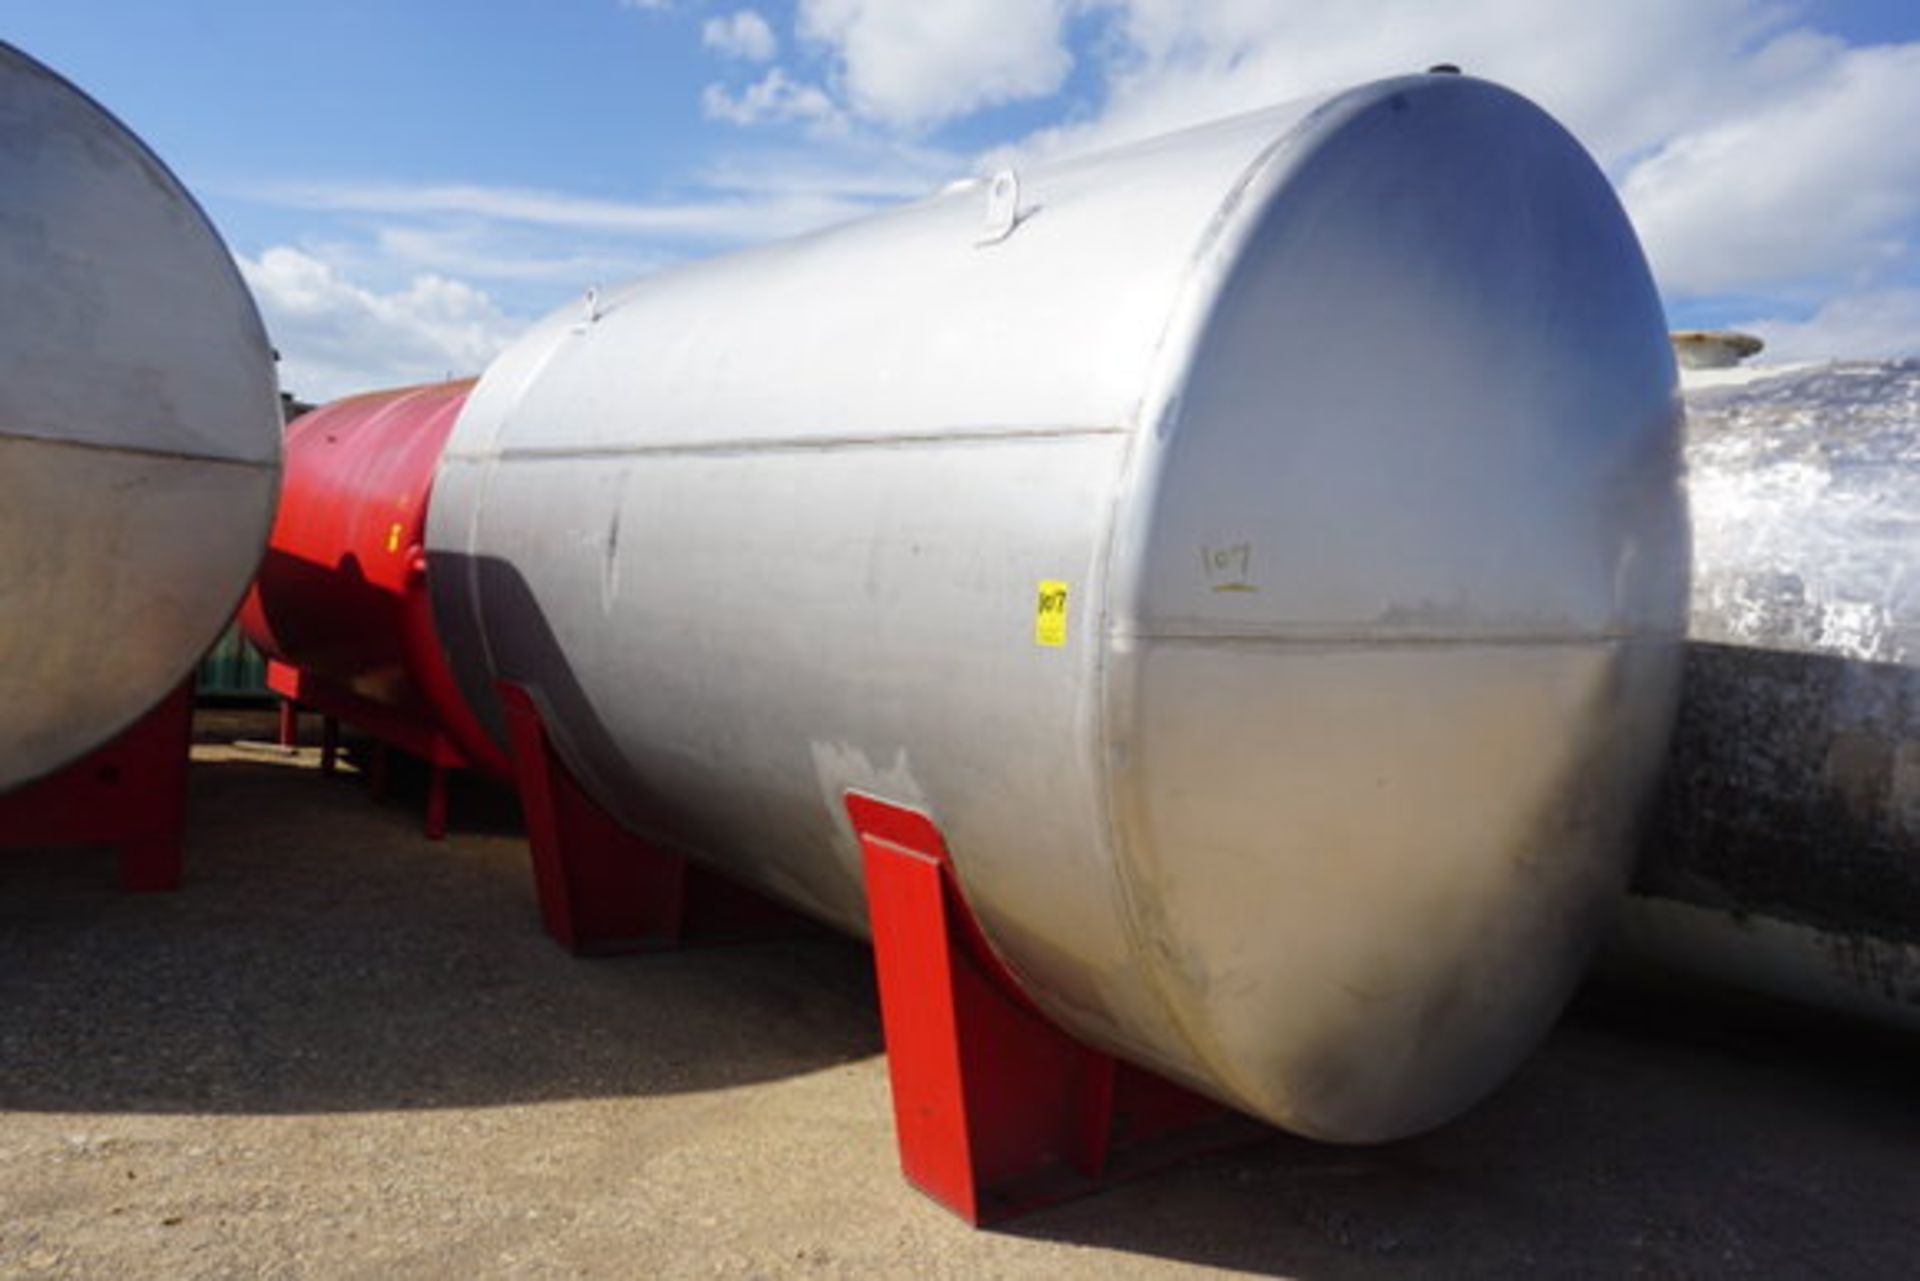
(603, 889)
(130, 793)
(300, 690)
(998, 1111)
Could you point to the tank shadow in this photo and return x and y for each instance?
(1676, 1140)
(323, 956)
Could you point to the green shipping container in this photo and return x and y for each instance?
(233, 668)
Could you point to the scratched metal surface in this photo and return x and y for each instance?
(139, 426)
(1365, 658)
(1785, 855)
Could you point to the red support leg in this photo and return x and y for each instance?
(998, 1111)
(289, 723)
(602, 888)
(394, 727)
(130, 793)
(436, 828)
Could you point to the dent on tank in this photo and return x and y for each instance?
(1785, 853)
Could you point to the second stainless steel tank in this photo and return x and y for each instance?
(1259, 549)
(139, 426)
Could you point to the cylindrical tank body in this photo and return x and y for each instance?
(342, 592)
(139, 426)
(1259, 549)
(1785, 854)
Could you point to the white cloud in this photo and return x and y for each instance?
(1819, 179)
(338, 337)
(1756, 153)
(918, 64)
(385, 285)
(1761, 158)
(743, 35)
(481, 251)
(726, 219)
(1884, 322)
(774, 97)
(859, 170)
(1624, 75)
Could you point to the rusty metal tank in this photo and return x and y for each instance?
(1785, 855)
(1260, 549)
(139, 426)
(342, 594)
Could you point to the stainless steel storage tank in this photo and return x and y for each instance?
(1260, 549)
(139, 426)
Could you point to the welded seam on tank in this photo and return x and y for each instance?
(140, 451)
(1346, 641)
(784, 444)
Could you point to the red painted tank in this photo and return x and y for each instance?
(341, 608)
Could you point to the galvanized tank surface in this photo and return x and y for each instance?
(1260, 550)
(1785, 855)
(139, 426)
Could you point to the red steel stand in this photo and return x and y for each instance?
(603, 889)
(998, 1111)
(131, 793)
(299, 688)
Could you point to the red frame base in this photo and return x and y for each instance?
(299, 688)
(130, 793)
(998, 1111)
(603, 889)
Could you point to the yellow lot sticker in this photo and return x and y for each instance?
(1050, 614)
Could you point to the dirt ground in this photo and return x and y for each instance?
(342, 1050)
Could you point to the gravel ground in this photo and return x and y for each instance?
(345, 1051)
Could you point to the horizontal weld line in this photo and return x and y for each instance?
(1373, 640)
(807, 444)
(138, 451)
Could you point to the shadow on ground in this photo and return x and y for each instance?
(1650, 1136)
(322, 956)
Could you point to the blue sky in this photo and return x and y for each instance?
(406, 184)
